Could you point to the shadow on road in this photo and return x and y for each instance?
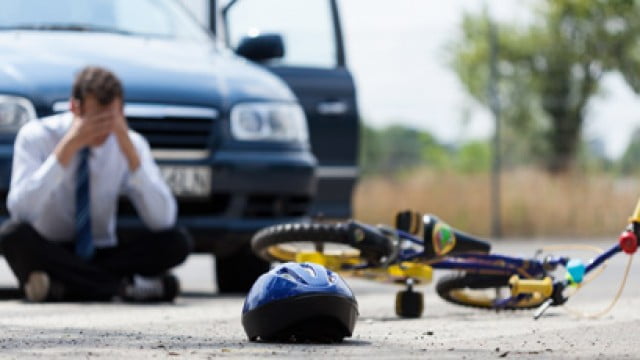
(10, 293)
(13, 293)
(346, 343)
(385, 318)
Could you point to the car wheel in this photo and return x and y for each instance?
(237, 273)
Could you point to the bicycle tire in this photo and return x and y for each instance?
(460, 289)
(264, 241)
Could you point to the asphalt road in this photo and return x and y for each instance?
(205, 325)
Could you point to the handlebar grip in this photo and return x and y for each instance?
(525, 286)
(373, 244)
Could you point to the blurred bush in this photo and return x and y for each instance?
(534, 203)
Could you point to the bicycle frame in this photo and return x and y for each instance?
(499, 264)
(508, 265)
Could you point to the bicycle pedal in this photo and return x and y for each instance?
(541, 310)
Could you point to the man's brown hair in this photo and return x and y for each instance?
(98, 82)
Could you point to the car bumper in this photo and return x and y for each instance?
(250, 190)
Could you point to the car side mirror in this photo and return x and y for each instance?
(262, 47)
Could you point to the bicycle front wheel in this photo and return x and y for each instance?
(343, 243)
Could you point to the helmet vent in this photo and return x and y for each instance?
(288, 276)
(309, 270)
(291, 276)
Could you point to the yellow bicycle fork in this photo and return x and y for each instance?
(420, 272)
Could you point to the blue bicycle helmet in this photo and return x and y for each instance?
(299, 302)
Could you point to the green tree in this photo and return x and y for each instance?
(402, 148)
(550, 68)
(370, 149)
(398, 148)
(474, 157)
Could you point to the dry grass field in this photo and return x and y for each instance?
(533, 202)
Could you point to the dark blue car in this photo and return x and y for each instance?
(247, 138)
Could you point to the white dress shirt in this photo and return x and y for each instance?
(42, 191)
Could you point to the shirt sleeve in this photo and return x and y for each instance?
(34, 176)
(148, 191)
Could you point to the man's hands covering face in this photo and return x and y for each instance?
(93, 129)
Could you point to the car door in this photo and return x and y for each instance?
(314, 67)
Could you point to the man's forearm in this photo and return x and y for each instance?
(65, 150)
(153, 200)
(146, 188)
(128, 149)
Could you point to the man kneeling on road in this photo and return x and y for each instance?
(68, 173)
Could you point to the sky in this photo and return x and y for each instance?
(396, 52)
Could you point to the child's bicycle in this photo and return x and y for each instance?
(481, 280)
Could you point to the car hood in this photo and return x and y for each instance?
(41, 65)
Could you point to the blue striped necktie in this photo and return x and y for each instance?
(84, 239)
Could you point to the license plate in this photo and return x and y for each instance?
(188, 181)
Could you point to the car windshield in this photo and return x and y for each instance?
(162, 18)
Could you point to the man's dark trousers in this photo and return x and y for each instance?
(99, 279)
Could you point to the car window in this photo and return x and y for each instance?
(165, 18)
(305, 25)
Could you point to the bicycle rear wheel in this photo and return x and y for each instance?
(482, 291)
(345, 243)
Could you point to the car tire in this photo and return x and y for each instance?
(237, 273)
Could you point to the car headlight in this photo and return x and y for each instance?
(269, 121)
(15, 111)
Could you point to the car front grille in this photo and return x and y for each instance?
(167, 126)
(174, 133)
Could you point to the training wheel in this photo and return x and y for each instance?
(409, 304)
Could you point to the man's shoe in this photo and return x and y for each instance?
(37, 286)
(151, 289)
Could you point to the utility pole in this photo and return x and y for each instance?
(494, 104)
(213, 14)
